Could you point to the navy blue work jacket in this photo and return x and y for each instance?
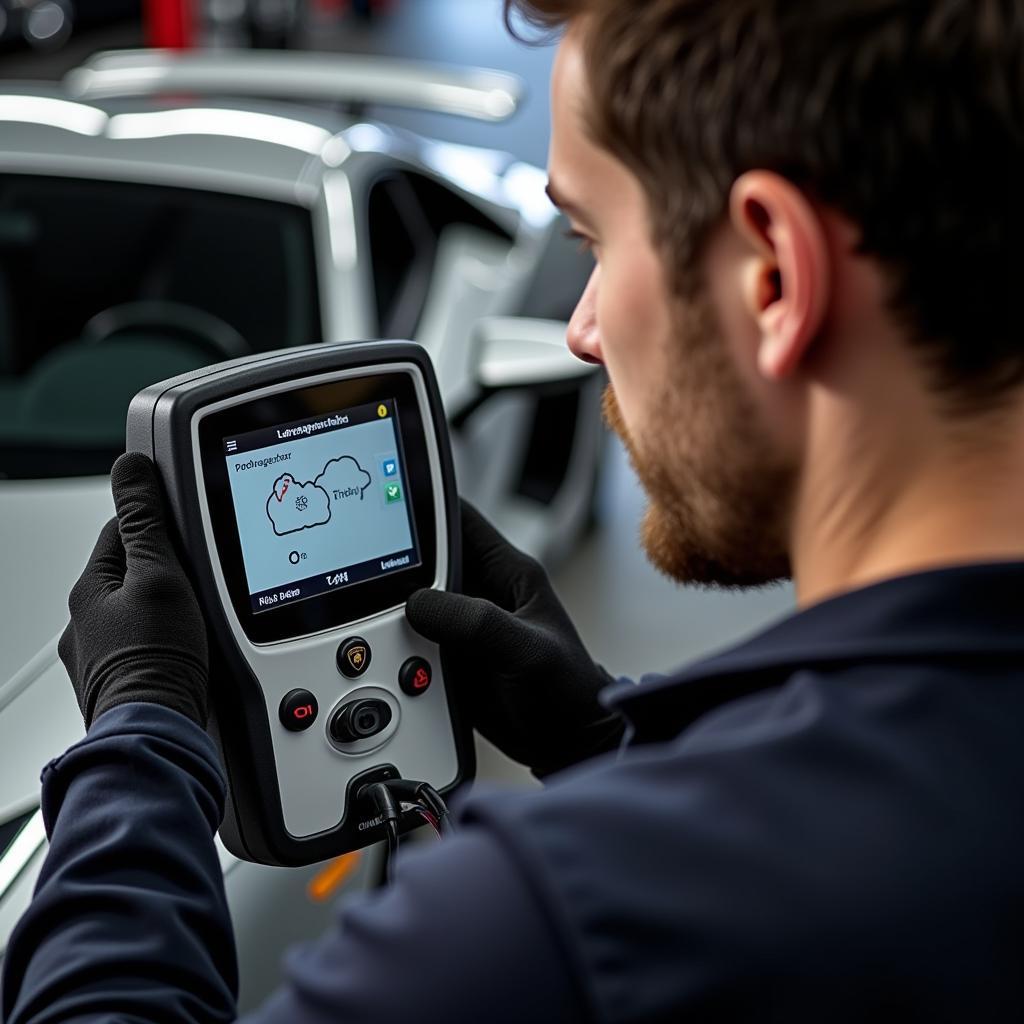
(824, 824)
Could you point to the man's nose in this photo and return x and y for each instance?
(582, 336)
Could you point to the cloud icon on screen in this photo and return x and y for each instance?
(293, 506)
(343, 478)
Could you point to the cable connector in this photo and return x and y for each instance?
(422, 793)
(392, 797)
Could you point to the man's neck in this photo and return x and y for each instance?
(903, 501)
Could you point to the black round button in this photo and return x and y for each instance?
(298, 710)
(414, 676)
(354, 657)
(360, 720)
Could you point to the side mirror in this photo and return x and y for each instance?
(517, 352)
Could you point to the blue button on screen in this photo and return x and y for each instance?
(390, 467)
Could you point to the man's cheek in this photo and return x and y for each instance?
(628, 323)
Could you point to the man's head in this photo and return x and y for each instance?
(807, 217)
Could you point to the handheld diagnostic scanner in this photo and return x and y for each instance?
(311, 493)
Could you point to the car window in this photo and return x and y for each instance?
(106, 287)
(407, 215)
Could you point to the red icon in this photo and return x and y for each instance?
(414, 676)
(298, 710)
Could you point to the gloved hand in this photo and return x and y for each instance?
(136, 632)
(514, 656)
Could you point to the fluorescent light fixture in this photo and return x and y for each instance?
(25, 846)
(53, 113)
(239, 124)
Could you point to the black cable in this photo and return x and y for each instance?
(389, 863)
(419, 797)
(433, 800)
(380, 795)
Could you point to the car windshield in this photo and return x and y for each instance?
(106, 287)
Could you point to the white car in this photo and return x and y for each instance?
(159, 212)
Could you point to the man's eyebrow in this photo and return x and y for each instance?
(565, 205)
(553, 195)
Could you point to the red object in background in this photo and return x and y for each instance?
(170, 23)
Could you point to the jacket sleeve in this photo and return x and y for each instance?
(129, 921)
(129, 924)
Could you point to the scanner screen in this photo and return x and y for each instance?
(321, 503)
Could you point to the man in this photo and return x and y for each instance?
(807, 218)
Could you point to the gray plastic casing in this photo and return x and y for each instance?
(308, 811)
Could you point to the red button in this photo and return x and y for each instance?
(298, 710)
(415, 676)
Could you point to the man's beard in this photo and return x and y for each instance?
(719, 494)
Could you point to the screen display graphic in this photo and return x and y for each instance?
(321, 503)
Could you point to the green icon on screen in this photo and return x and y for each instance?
(392, 493)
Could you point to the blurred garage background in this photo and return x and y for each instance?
(633, 620)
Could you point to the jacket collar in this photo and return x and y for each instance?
(975, 612)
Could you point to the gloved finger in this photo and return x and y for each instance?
(470, 624)
(492, 567)
(104, 570)
(140, 513)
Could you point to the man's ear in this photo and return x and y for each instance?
(787, 291)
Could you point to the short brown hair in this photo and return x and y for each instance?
(907, 116)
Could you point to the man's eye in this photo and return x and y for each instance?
(585, 244)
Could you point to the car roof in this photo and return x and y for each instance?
(266, 148)
(260, 148)
(270, 124)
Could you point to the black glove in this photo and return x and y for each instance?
(136, 632)
(514, 656)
